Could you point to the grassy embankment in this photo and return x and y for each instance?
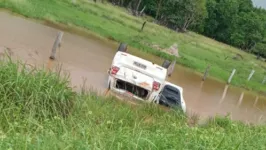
(115, 23)
(39, 111)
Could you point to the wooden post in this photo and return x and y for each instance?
(251, 74)
(264, 80)
(57, 44)
(143, 25)
(231, 76)
(206, 73)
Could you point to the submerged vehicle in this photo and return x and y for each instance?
(143, 80)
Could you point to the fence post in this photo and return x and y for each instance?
(231, 76)
(251, 74)
(57, 44)
(206, 73)
(143, 25)
(264, 80)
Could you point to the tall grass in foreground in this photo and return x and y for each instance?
(39, 111)
(29, 93)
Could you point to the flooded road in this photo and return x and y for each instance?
(88, 58)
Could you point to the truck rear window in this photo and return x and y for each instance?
(136, 90)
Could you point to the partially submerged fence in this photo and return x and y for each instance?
(239, 75)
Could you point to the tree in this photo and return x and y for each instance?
(221, 16)
(247, 31)
(235, 22)
(183, 13)
(154, 7)
(260, 49)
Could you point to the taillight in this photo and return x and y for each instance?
(114, 70)
(156, 85)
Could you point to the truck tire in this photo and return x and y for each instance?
(166, 64)
(122, 47)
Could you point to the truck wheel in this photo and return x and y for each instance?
(122, 47)
(166, 64)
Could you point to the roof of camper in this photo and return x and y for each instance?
(142, 65)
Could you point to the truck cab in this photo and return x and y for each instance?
(171, 95)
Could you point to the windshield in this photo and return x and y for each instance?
(170, 96)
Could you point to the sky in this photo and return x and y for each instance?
(260, 3)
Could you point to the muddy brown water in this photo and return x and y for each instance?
(88, 58)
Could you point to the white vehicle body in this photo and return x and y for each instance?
(141, 79)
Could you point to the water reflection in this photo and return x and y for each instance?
(224, 94)
(240, 99)
(256, 101)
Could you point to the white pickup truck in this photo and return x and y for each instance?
(143, 80)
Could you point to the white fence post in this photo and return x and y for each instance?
(251, 74)
(264, 80)
(231, 76)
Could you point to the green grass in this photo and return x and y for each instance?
(115, 23)
(38, 110)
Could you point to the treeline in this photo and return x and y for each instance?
(235, 22)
